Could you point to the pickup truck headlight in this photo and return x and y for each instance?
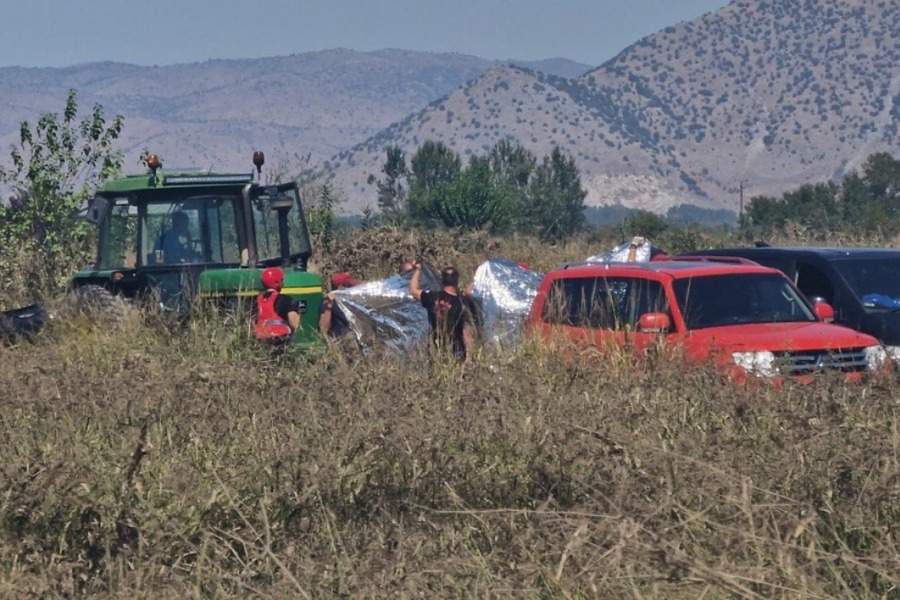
(893, 353)
(761, 364)
(875, 357)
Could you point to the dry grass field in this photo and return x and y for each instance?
(143, 461)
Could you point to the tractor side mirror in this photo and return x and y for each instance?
(96, 210)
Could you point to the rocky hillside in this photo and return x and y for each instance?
(770, 93)
(215, 113)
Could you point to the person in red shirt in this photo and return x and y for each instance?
(277, 315)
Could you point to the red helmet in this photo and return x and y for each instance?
(272, 278)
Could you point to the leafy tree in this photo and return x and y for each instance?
(368, 219)
(473, 200)
(687, 214)
(433, 165)
(764, 213)
(555, 205)
(320, 217)
(56, 166)
(855, 199)
(512, 164)
(391, 190)
(881, 173)
(646, 224)
(512, 167)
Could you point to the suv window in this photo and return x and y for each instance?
(603, 302)
(871, 276)
(716, 300)
(813, 282)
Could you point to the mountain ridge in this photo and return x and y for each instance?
(742, 97)
(758, 97)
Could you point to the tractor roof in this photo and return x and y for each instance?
(179, 179)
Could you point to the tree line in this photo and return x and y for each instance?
(507, 190)
(866, 199)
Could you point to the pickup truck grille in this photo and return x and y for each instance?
(809, 361)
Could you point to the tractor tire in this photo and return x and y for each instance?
(97, 303)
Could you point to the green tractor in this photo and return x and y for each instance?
(173, 237)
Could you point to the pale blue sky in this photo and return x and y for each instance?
(57, 33)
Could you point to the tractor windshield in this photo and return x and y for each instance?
(193, 230)
(276, 208)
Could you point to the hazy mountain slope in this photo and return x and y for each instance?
(774, 94)
(213, 114)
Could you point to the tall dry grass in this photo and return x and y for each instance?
(148, 461)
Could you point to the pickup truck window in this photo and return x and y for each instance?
(603, 302)
(716, 300)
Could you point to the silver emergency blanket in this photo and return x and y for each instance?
(383, 313)
(503, 292)
(620, 252)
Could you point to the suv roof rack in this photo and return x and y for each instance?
(609, 263)
(737, 260)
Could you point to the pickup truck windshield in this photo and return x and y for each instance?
(717, 300)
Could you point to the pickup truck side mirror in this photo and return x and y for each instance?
(654, 323)
(824, 311)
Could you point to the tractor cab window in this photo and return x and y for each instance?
(275, 209)
(118, 233)
(195, 230)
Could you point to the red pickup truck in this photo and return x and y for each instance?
(750, 319)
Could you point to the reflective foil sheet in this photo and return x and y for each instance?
(383, 314)
(503, 292)
(620, 253)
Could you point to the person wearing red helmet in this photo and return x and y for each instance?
(333, 322)
(277, 315)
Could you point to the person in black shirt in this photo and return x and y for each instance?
(448, 314)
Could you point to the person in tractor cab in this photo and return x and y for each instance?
(448, 313)
(175, 245)
(277, 315)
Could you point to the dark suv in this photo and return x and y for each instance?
(861, 284)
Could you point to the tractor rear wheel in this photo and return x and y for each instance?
(99, 304)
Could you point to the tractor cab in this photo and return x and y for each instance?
(176, 236)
